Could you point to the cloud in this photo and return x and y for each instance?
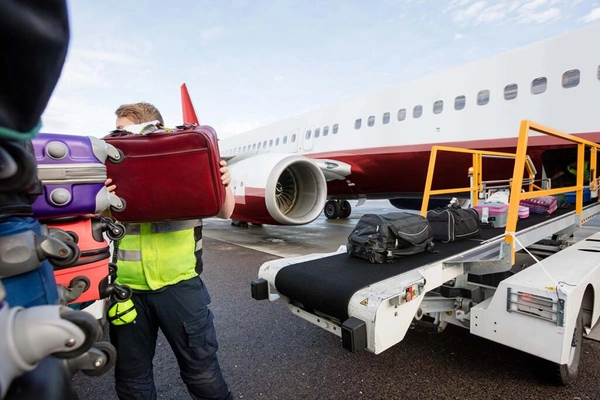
(465, 12)
(468, 13)
(533, 15)
(492, 14)
(458, 36)
(592, 15)
(279, 78)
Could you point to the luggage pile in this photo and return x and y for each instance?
(36, 244)
(387, 237)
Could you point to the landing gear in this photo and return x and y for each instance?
(337, 209)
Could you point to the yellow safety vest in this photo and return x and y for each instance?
(586, 171)
(154, 255)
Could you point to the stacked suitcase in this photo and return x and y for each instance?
(72, 170)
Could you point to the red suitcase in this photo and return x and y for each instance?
(93, 264)
(167, 175)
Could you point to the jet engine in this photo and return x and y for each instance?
(277, 189)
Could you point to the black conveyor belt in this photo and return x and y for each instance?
(327, 284)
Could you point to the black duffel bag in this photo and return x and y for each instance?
(382, 238)
(453, 223)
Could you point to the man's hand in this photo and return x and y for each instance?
(225, 176)
(111, 188)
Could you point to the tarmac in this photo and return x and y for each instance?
(267, 353)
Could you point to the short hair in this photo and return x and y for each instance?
(139, 112)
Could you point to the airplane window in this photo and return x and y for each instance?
(293, 138)
(254, 146)
(371, 120)
(325, 131)
(259, 145)
(459, 102)
(271, 143)
(417, 111)
(539, 85)
(599, 72)
(335, 129)
(308, 134)
(483, 97)
(317, 132)
(510, 91)
(357, 123)
(570, 78)
(265, 144)
(438, 107)
(285, 140)
(386, 117)
(401, 114)
(276, 141)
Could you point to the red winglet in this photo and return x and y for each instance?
(189, 115)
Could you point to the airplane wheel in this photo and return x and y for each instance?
(332, 209)
(346, 209)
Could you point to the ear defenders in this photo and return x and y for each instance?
(121, 312)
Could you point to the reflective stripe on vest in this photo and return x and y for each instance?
(154, 255)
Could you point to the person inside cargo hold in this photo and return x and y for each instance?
(568, 176)
(168, 294)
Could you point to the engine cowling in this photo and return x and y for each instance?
(277, 189)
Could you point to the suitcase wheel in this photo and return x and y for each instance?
(108, 358)
(81, 283)
(122, 292)
(115, 231)
(119, 207)
(90, 327)
(116, 159)
(68, 261)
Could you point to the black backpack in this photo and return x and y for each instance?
(382, 238)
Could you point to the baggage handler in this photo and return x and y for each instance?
(161, 262)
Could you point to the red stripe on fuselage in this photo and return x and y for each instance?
(385, 171)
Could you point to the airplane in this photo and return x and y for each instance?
(378, 146)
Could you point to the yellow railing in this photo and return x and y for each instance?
(515, 190)
(476, 173)
(520, 188)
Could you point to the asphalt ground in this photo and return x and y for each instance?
(268, 353)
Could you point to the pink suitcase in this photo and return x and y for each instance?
(523, 212)
(540, 205)
(494, 214)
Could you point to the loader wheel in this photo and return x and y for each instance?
(88, 324)
(563, 374)
(109, 357)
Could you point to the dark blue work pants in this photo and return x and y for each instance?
(181, 312)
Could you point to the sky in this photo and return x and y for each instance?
(248, 63)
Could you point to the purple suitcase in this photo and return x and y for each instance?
(72, 170)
